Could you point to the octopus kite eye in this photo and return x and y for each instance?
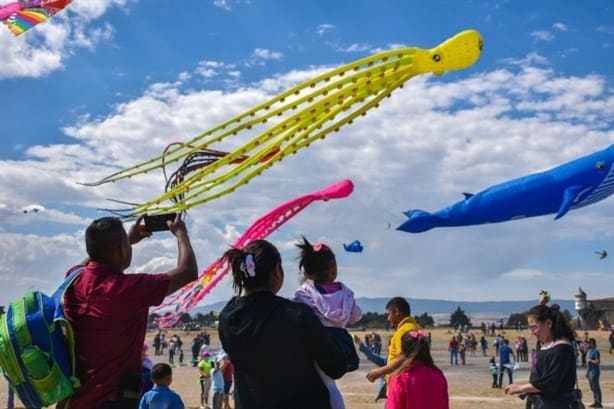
(436, 57)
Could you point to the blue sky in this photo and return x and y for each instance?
(108, 83)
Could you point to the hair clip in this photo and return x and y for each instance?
(318, 246)
(248, 266)
(417, 334)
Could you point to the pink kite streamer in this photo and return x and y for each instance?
(193, 293)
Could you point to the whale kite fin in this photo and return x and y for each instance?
(420, 221)
(467, 195)
(569, 197)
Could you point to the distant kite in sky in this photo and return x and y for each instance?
(190, 295)
(296, 118)
(22, 15)
(570, 186)
(602, 254)
(353, 247)
(33, 209)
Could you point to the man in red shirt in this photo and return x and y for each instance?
(108, 311)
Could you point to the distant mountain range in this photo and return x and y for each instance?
(440, 309)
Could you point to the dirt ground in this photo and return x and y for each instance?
(469, 385)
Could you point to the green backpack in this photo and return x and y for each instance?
(37, 347)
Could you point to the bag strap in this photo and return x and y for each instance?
(58, 297)
(59, 293)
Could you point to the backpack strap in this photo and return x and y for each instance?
(59, 293)
(58, 296)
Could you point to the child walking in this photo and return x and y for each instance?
(494, 372)
(418, 383)
(161, 396)
(332, 302)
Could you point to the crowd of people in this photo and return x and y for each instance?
(279, 353)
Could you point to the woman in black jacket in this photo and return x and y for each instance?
(273, 343)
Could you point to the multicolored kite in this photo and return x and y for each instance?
(22, 15)
(191, 294)
(296, 118)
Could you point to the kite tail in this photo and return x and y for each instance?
(420, 221)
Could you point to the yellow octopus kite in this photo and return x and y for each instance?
(293, 120)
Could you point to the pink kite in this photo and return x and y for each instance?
(22, 15)
(194, 292)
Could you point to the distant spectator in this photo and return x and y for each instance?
(593, 361)
(217, 383)
(484, 345)
(196, 344)
(227, 371)
(146, 367)
(506, 355)
(204, 371)
(453, 349)
(494, 372)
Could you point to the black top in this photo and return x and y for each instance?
(555, 374)
(274, 344)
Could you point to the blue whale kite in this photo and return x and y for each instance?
(576, 184)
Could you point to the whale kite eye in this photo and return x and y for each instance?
(600, 165)
(436, 57)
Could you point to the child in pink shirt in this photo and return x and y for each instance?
(418, 383)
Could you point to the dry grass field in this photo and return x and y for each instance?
(469, 385)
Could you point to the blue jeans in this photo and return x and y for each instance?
(454, 355)
(593, 382)
(509, 374)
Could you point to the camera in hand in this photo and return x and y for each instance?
(157, 222)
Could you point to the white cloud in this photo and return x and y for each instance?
(542, 35)
(353, 48)
(528, 60)
(560, 26)
(223, 4)
(324, 28)
(266, 54)
(210, 69)
(523, 274)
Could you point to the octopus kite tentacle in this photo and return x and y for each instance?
(301, 115)
(193, 293)
(194, 161)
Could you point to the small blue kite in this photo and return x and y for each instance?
(353, 247)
